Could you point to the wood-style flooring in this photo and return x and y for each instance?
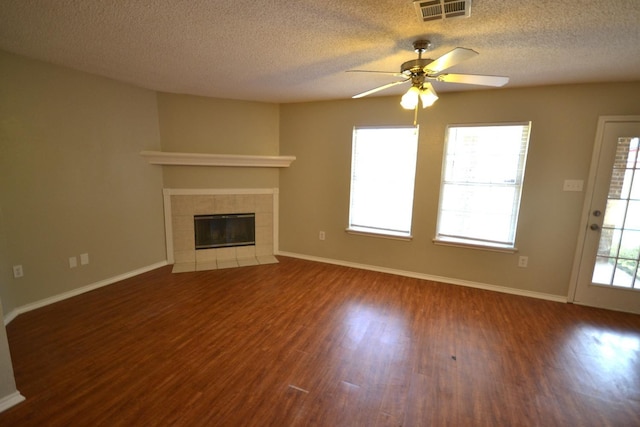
(301, 343)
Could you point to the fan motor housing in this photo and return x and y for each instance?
(415, 66)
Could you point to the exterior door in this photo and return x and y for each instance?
(606, 272)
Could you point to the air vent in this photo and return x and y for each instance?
(430, 10)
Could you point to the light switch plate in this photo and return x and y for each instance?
(573, 185)
(17, 271)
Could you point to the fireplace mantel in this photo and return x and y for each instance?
(199, 159)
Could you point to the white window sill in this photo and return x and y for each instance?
(467, 244)
(385, 234)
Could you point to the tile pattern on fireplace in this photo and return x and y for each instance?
(184, 207)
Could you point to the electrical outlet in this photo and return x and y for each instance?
(84, 259)
(73, 262)
(321, 235)
(17, 271)
(523, 261)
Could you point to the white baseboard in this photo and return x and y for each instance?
(56, 298)
(10, 316)
(448, 280)
(503, 289)
(11, 400)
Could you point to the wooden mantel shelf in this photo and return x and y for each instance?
(199, 159)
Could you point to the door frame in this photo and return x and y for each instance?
(588, 199)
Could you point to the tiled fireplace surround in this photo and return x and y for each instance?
(180, 205)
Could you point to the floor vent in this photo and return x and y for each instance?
(430, 10)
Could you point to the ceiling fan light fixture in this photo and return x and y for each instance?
(427, 97)
(409, 100)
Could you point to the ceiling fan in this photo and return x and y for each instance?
(420, 71)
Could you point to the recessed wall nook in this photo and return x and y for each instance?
(183, 207)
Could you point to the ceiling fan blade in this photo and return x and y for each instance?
(449, 59)
(388, 85)
(474, 79)
(391, 73)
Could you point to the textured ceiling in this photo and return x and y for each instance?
(289, 51)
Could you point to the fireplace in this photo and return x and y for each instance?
(224, 230)
(208, 213)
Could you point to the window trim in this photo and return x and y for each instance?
(444, 240)
(382, 232)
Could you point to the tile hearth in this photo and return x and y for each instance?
(184, 204)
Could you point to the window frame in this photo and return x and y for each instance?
(373, 230)
(477, 243)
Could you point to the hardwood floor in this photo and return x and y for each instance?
(308, 344)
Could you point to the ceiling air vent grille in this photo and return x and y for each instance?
(430, 10)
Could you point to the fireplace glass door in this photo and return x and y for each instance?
(226, 230)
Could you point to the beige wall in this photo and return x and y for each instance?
(194, 124)
(314, 191)
(72, 180)
(6, 274)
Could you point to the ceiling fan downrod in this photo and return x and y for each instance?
(414, 67)
(421, 46)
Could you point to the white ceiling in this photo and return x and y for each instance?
(299, 50)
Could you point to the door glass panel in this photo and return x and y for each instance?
(619, 246)
(609, 242)
(603, 273)
(629, 248)
(633, 161)
(614, 215)
(632, 221)
(621, 276)
(626, 184)
(635, 188)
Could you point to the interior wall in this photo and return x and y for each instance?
(315, 189)
(72, 180)
(193, 124)
(6, 272)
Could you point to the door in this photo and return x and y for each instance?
(606, 270)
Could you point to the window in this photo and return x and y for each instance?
(482, 174)
(383, 166)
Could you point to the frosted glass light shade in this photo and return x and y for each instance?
(414, 95)
(409, 100)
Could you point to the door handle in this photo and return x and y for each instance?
(597, 213)
(594, 227)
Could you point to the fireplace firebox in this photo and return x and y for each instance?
(225, 230)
